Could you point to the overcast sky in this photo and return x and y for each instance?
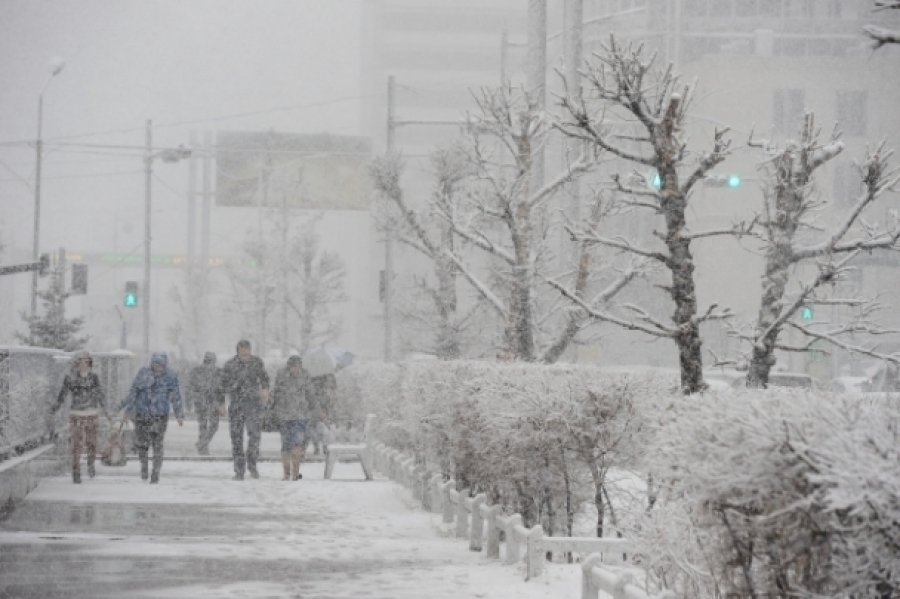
(188, 66)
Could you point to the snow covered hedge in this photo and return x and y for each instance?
(775, 494)
(540, 440)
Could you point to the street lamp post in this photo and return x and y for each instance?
(167, 155)
(56, 66)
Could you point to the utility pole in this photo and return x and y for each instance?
(148, 171)
(192, 310)
(387, 282)
(201, 290)
(573, 27)
(536, 66)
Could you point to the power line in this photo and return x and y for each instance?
(198, 121)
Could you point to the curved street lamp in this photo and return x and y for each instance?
(56, 66)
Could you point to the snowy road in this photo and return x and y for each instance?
(199, 534)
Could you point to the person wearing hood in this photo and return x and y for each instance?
(154, 393)
(88, 401)
(205, 389)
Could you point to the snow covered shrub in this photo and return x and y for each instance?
(539, 440)
(775, 493)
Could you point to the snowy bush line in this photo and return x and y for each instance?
(775, 493)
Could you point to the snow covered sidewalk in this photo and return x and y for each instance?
(199, 534)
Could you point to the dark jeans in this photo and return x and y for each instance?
(245, 416)
(207, 421)
(150, 430)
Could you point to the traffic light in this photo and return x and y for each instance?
(79, 279)
(131, 294)
(656, 182)
(806, 313)
(45, 264)
(729, 181)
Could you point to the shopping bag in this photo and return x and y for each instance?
(114, 454)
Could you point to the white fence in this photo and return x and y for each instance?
(605, 569)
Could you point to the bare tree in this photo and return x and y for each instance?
(426, 233)
(510, 221)
(788, 229)
(880, 35)
(637, 114)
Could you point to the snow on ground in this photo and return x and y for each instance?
(349, 537)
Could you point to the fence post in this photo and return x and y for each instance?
(462, 516)
(619, 587)
(493, 533)
(476, 533)
(534, 552)
(589, 590)
(512, 544)
(446, 502)
(435, 491)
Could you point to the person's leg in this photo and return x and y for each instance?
(142, 442)
(236, 428)
(212, 411)
(157, 436)
(202, 419)
(90, 434)
(77, 431)
(284, 429)
(254, 433)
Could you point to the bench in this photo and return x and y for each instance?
(362, 451)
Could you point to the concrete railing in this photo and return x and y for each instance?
(486, 528)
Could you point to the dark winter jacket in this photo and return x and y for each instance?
(322, 391)
(242, 381)
(155, 394)
(205, 382)
(87, 393)
(289, 397)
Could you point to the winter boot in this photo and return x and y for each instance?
(154, 477)
(296, 460)
(286, 464)
(91, 472)
(76, 476)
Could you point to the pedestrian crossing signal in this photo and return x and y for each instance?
(131, 294)
(806, 313)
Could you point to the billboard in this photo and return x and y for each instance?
(271, 169)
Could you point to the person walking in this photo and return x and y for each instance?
(88, 401)
(322, 391)
(246, 382)
(154, 393)
(205, 390)
(291, 407)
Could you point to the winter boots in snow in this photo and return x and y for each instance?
(76, 476)
(91, 472)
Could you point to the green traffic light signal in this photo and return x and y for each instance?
(806, 313)
(657, 181)
(131, 294)
(734, 181)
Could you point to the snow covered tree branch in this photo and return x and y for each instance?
(633, 104)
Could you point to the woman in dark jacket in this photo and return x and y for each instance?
(88, 401)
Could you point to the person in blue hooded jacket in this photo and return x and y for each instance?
(154, 393)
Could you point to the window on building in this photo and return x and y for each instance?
(850, 112)
(787, 110)
(847, 184)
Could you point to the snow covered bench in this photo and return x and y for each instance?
(362, 451)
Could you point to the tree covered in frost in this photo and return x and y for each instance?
(636, 113)
(286, 289)
(794, 234)
(189, 329)
(52, 328)
(494, 227)
(446, 327)
(881, 35)
(776, 494)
